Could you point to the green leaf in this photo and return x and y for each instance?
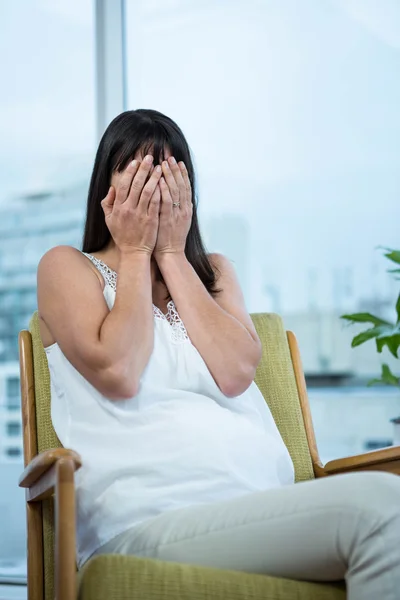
(384, 332)
(364, 318)
(393, 255)
(380, 331)
(363, 337)
(398, 309)
(392, 342)
(372, 382)
(387, 378)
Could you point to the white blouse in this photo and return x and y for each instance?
(179, 442)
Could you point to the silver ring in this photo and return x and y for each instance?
(176, 204)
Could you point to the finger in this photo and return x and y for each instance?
(176, 172)
(185, 176)
(154, 204)
(166, 201)
(139, 180)
(170, 180)
(125, 182)
(149, 188)
(108, 202)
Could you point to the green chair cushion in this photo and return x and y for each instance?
(113, 577)
(276, 380)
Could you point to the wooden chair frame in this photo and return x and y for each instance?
(52, 472)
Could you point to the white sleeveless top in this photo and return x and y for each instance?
(179, 442)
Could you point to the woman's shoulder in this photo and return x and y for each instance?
(218, 260)
(60, 253)
(220, 264)
(65, 260)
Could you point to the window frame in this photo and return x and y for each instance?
(111, 86)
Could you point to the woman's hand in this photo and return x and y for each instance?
(132, 207)
(176, 209)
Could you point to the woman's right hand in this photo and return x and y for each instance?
(131, 207)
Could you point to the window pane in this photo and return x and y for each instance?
(13, 429)
(293, 119)
(47, 128)
(13, 452)
(13, 387)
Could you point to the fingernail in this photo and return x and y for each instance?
(172, 160)
(134, 163)
(182, 165)
(165, 164)
(149, 159)
(158, 169)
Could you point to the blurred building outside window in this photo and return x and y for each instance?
(48, 129)
(292, 116)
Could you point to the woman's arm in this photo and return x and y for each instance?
(109, 348)
(221, 329)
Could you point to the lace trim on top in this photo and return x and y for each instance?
(178, 329)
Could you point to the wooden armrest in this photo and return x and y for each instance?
(41, 474)
(53, 471)
(42, 463)
(385, 459)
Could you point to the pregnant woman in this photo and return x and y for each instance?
(152, 358)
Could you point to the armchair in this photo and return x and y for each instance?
(49, 482)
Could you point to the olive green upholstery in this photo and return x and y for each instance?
(113, 577)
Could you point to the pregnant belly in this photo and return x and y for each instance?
(207, 441)
(178, 448)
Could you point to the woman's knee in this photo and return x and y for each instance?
(372, 491)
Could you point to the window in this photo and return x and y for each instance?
(13, 387)
(48, 132)
(292, 115)
(13, 429)
(13, 452)
(13, 403)
(13, 392)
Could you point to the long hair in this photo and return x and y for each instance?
(145, 130)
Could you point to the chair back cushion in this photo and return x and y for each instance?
(46, 435)
(46, 438)
(275, 378)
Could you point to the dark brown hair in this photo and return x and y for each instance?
(128, 133)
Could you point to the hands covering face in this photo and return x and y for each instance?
(176, 208)
(150, 209)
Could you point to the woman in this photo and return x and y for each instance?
(152, 383)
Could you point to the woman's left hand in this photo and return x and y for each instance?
(176, 209)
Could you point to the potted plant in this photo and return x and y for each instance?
(384, 333)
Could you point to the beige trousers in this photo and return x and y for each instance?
(334, 528)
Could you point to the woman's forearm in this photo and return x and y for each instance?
(228, 349)
(127, 333)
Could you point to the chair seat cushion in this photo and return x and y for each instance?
(118, 577)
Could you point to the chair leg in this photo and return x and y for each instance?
(65, 557)
(35, 551)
